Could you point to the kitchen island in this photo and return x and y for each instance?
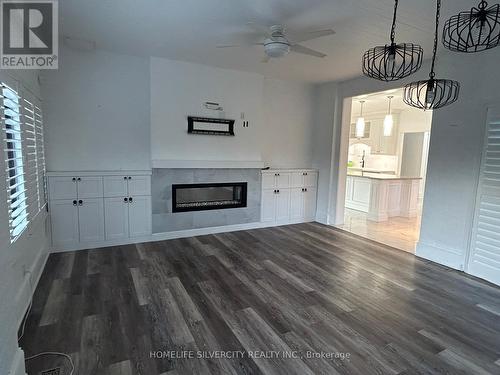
(381, 195)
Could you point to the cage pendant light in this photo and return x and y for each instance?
(473, 31)
(433, 93)
(392, 61)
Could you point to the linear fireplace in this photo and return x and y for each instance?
(210, 196)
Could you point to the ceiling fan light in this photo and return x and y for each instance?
(388, 125)
(277, 47)
(360, 127)
(473, 31)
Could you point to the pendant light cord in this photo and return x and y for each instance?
(393, 27)
(434, 51)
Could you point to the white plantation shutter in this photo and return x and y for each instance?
(30, 157)
(484, 259)
(17, 199)
(40, 152)
(23, 146)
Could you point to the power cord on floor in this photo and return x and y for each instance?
(70, 360)
(23, 328)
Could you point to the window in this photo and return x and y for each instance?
(22, 128)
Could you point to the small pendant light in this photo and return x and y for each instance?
(433, 93)
(475, 30)
(392, 61)
(360, 123)
(388, 120)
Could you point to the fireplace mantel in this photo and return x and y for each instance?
(208, 164)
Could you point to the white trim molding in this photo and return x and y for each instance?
(441, 254)
(208, 164)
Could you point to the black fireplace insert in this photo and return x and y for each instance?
(209, 196)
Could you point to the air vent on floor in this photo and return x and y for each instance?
(54, 371)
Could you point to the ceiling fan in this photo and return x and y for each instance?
(277, 44)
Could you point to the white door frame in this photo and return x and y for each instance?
(342, 161)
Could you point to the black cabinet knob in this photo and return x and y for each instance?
(125, 177)
(125, 199)
(129, 177)
(79, 179)
(80, 202)
(74, 203)
(73, 179)
(130, 199)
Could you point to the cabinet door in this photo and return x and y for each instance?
(268, 205)
(64, 220)
(297, 179)
(283, 180)
(296, 204)
(91, 219)
(268, 181)
(115, 186)
(139, 185)
(283, 206)
(116, 218)
(310, 179)
(62, 188)
(89, 187)
(310, 204)
(139, 216)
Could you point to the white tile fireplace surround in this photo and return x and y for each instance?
(164, 220)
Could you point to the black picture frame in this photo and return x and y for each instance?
(226, 126)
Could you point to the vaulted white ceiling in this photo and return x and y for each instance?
(189, 30)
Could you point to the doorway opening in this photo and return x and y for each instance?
(387, 145)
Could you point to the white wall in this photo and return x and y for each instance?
(287, 137)
(325, 107)
(455, 151)
(28, 253)
(97, 109)
(279, 112)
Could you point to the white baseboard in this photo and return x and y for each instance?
(18, 367)
(442, 254)
(209, 230)
(172, 235)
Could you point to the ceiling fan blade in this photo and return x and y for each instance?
(265, 59)
(313, 35)
(306, 51)
(239, 45)
(228, 45)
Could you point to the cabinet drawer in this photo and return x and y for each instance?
(89, 187)
(310, 179)
(62, 188)
(268, 181)
(139, 185)
(283, 180)
(115, 186)
(297, 179)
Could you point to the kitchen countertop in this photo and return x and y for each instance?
(381, 176)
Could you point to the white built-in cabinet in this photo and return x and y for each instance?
(288, 196)
(98, 208)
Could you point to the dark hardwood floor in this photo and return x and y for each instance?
(247, 300)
